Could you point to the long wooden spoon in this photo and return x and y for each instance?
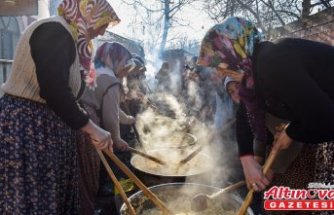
(143, 154)
(140, 184)
(191, 155)
(116, 182)
(200, 201)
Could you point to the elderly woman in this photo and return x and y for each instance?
(112, 64)
(39, 115)
(291, 79)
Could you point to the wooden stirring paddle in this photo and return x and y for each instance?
(116, 182)
(139, 184)
(200, 201)
(143, 154)
(191, 155)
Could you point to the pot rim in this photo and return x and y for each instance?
(169, 175)
(178, 184)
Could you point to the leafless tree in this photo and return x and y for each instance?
(267, 14)
(165, 13)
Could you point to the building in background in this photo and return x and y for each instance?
(15, 16)
(318, 27)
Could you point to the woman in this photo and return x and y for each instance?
(291, 79)
(39, 114)
(112, 63)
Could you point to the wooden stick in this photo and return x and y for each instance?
(194, 153)
(227, 189)
(152, 158)
(191, 155)
(249, 198)
(139, 184)
(137, 135)
(116, 182)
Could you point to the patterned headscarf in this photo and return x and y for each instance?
(113, 55)
(231, 44)
(84, 16)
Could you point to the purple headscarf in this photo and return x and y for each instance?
(232, 43)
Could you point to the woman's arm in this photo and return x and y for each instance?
(110, 112)
(251, 167)
(286, 75)
(244, 133)
(110, 116)
(125, 119)
(53, 51)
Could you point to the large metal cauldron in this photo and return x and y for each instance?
(152, 174)
(187, 191)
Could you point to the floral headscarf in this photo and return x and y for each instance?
(84, 16)
(231, 44)
(114, 56)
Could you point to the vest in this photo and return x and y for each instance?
(22, 81)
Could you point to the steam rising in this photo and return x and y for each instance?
(171, 117)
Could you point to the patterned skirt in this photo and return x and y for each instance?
(38, 166)
(89, 166)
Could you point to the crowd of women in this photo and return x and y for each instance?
(61, 105)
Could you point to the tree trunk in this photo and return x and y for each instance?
(306, 10)
(166, 25)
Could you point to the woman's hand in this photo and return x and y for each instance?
(223, 72)
(101, 138)
(253, 173)
(121, 145)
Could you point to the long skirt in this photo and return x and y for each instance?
(38, 166)
(89, 165)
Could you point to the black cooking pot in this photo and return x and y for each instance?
(172, 191)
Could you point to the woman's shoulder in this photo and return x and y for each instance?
(52, 31)
(104, 81)
(277, 51)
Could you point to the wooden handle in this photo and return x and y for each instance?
(191, 155)
(116, 182)
(267, 165)
(139, 184)
(137, 135)
(147, 156)
(227, 189)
